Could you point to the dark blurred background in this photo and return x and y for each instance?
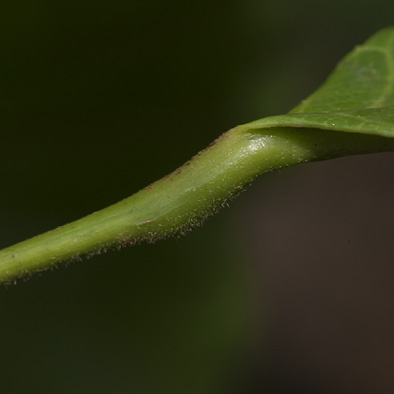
(288, 291)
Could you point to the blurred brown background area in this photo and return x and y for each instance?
(288, 291)
(320, 244)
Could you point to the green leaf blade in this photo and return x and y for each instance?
(363, 79)
(374, 121)
(358, 97)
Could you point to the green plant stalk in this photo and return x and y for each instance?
(184, 198)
